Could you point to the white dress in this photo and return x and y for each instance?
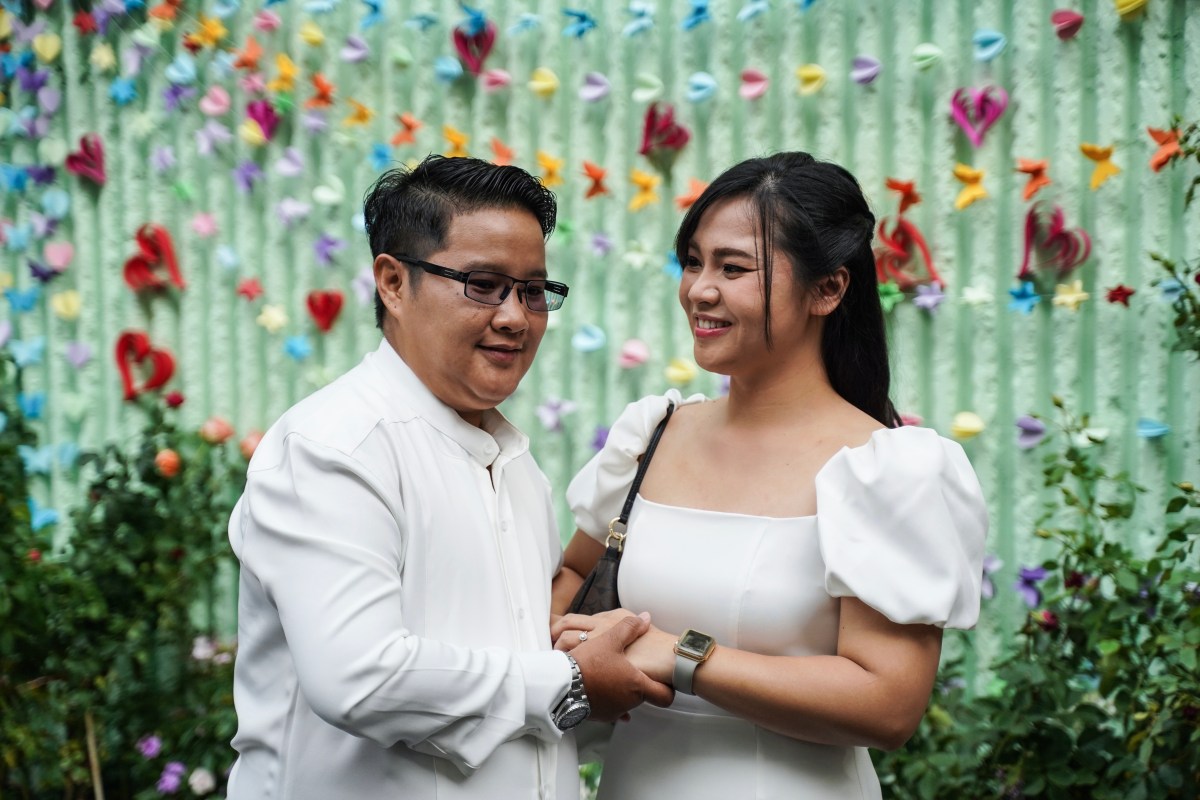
(900, 525)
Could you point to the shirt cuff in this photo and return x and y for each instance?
(547, 680)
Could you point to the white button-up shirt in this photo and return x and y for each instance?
(393, 618)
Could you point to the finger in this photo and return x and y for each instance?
(657, 694)
(628, 630)
(566, 622)
(566, 643)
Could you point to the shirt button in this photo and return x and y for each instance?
(504, 526)
(520, 613)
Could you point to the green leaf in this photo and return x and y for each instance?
(1108, 647)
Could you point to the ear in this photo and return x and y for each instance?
(828, 292)
(391, 281)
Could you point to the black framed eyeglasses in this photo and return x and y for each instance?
(493, 288)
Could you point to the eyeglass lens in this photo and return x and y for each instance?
(493, 288)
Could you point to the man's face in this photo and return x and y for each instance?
(470, 355)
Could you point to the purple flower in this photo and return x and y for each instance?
(149, 746)
(326, 247)
(1026, 585)
(551, 412)
(40, 174)
(601, 244)
(162, 159)
(929, 297)
(245, 175)
(314, 122)
(601, 437)
(210, 136)
(169, 782)
(174, 96)
(991, 565)
(32, 80)
(364, 286)
(1031, 431)
(290, 211)
(79, 354)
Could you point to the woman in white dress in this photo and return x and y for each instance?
(812, 546)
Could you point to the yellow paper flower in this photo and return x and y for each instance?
(458, 141)
(252, 133)
(103, 59)
(67, 305)
(680, 371)
(1129, 9)
(811, 77)
(5, 24)
(1070, 295)
(6, 281)
(972, 190)
(966, 425)
(210, 33)
(311, 34)
(544, 83)
(47, 46)
(272, 318)
(646, 183)
(288, 71)
(361, 115)
(1105, 168)
(550, 168)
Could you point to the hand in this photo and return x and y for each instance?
(654, 654)
(565, 630)
(613, 684)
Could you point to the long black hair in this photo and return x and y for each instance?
(815, 212)
(409, 211)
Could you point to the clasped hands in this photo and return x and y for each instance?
(625, 660)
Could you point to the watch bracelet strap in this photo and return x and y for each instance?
(576, 679)
(683, 677)
(643, 464)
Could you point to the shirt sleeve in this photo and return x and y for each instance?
(901, 523)
(598, 491)
(320, 533)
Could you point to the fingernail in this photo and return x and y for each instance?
(645, 615)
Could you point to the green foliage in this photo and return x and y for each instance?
(1100, 696)
(115, 633)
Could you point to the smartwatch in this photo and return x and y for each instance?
(692, 650)
(575, 707)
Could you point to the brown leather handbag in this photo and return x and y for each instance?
(599, 590)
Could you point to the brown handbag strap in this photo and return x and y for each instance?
(641, 472)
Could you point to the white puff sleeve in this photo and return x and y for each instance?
(597, 493)
(901, 523)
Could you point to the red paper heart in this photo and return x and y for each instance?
(896, 259)
(134, 348)
(155, 250)
(88, 160)
(324, 307)
(474, 48)
(1058, 247)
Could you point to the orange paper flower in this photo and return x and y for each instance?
(1036, 170)
(1168, 147)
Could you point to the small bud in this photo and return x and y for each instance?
(34, 555)
(167, 462)
(1058, 401)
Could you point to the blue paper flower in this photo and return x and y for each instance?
(447, 69)
(380, 156)
(373, 16)
(421, 22)
(475, 22)
(28, 352)
(525, 22)
(40, 517)
(32, 404)
(299, 348)
(673, 268)
(643, 18)
(752, 9)
(1152, 428)
(122, 91)
(22, 301)
(697, 16)
(582, 22)
(1024, 298)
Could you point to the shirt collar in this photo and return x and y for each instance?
(497, 436)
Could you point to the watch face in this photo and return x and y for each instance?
(695, 642)
(572, 715)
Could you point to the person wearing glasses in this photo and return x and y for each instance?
(397, 540)
(800, 551)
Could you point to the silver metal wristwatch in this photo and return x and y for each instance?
(575, 707)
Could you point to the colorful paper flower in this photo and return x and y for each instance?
(890, 295)
(1024, 298)
(646, 185)
(929, 297)
(991, 565)
(1105, 168)
(457, 141)
(551, 167)
(1030, 431)
(1120, 294)
(1168, 147)
(551, 412)
(662, 137)
(1070, 295)
(967, 425)
(272, 318)
(1027, 585)
(1036, 170)
(973, 188)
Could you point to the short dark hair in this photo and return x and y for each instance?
(409, 211)
(815, 212)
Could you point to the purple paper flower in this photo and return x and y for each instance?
(245, 175)
(602, 245)
(601, 438)
(162, 159)
(551, 412)
(132, 59)
(290, 164)
(1030, 431)
(79, 354)
(211, 136)
(929, 297)
(290, 211)
(31, 80)
(314, 122)
(364, 286)
(149, 746)
(991, 565)
(174, 96)
(41, 174)
(1026, 585)
(326, 247)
